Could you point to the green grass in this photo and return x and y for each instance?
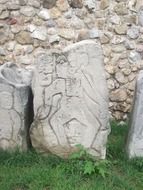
(30, 171)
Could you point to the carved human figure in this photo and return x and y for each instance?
(68, 109)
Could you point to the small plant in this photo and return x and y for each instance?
(137, 163)
(88, 164)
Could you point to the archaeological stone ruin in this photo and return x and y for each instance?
(48, 41)
(15, 96)
(28, 27)
(134, 146)
(70, 102)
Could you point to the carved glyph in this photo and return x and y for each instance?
(70, 101)
(14, 99)
(134, 145)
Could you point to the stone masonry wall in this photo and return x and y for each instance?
(28, 27)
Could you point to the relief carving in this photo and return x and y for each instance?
(70, 101)
(14, 99)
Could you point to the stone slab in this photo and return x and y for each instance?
(70, 101)
(14, 107)
(134, 146)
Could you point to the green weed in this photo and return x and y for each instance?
(31, 171)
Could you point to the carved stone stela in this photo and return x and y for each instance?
(14, 104)
(70, 101)
(134, 145)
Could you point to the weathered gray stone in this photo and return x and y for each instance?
(2, 51)
(14, 107)
(139, 3)
(83, 35)
(24, 37)
(3, 36)
(4, 15)
(133, 32)
(49, 3)
(134, 57)
(13, 5)
(121, 78)
(134, 147)
(62, 5)
(129, 45)
(55, 13)
(22, 2)
(3, 8)
(118, 40)
(25, 60)
(70, 107)
(3, 1)
(121, 8)
(31, 28)
(54, 38)
(34, 3)
(121, 29)
(115, 19)
(76, 23)
(40, 33)
(104, 4)
(27, 11)
(140, 16)
(111, 84)
(10, 45)
(118, 95)
(51, 23)
(67, 34)
(131, 4)
(118, 48)
(44, 14)
(16, 29)
(110, 69)
(90, 4)
(75, 3)
(94, 33)
(104, 39)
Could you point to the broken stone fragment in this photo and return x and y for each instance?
(15, 95)
(134, 146)
(70, 107)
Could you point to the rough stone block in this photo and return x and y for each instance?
(14, 107)
(70, 101)
(134, 146)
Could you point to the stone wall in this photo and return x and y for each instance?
(28, 27)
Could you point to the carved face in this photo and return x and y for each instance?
(62, 67)
(45, 63)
